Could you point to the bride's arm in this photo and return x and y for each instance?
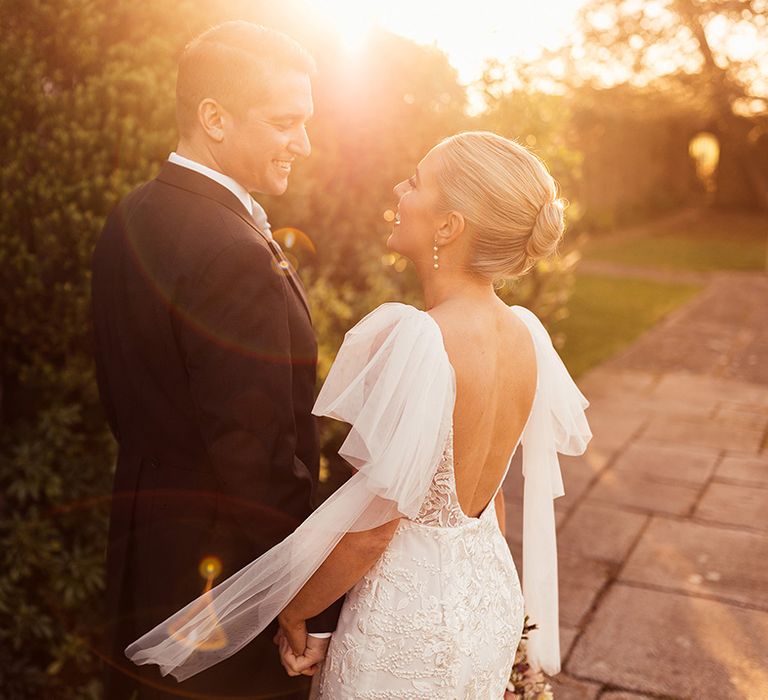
(501, 512)
(355, 554)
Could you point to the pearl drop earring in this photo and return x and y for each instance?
(435, 257)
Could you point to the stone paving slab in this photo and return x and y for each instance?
(592, 462)
(748, 469)
(721, 333)
(703, 560)
(735, 505)
(605, 383)
(597, 457)
(648, 406)
(583, 534)
(564, 687)
(580, 580)
(612, 429)
(567, 638)
(703, 388)
(743, 416)
(750, 359)
(699, 348)
(578, 473)
(697, 432)
(623, 695)
(667, 643)
(692, 465)
(645, 493)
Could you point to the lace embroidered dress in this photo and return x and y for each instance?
(440, 614)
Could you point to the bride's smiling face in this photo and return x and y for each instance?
(418, 219)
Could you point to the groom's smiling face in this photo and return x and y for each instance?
(261, 144)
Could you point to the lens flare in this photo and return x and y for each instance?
(211, 636)
(294, 239)
(210, 568)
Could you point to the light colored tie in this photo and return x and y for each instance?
(261, 221)
(260, 217)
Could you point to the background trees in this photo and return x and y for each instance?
(708, 57)
(86, 115)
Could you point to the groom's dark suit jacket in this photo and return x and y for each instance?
(205, 360)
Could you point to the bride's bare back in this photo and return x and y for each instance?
(495, 363)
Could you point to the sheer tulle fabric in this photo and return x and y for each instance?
(557, 424)
(392, 380)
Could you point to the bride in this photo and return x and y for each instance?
(439, 401)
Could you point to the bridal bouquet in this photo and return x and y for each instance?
(524, 683)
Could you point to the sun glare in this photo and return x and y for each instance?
(352, 21)
(469, 35)
(472, 33)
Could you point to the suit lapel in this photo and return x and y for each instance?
(285, 265)
(192, 181)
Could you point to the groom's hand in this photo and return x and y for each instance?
(309, 659)
(308, 663)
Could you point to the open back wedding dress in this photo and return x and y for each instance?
(440, 614)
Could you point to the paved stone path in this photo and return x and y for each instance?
(663, 531)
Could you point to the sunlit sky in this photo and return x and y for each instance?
(468, 32)
(471, 32)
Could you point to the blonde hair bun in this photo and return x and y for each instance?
(508, 199)
(547, 231)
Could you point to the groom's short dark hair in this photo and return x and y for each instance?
(230, 63)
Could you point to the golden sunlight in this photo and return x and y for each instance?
(501, 29)
(351, 20)
(705, 151)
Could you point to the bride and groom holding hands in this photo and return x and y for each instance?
(401, 584)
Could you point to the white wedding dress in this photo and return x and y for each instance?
(440, 615)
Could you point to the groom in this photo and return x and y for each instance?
(205, 360)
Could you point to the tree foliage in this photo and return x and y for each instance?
(86, 117)
(707, 56)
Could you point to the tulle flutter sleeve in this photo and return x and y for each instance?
(557, 424)
(393, 383)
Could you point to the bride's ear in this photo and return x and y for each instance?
(451, 228)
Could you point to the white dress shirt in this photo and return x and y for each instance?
(251, 205)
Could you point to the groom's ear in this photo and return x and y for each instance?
(210, 114)
(451, 228)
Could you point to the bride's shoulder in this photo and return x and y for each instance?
(394, 326)
(394, 315)
(536, 328)
(395, 309)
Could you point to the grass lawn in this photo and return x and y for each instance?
(710, 240)
(608, 313)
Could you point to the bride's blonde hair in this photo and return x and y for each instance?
(508, 199)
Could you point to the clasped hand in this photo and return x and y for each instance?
(300, 654)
